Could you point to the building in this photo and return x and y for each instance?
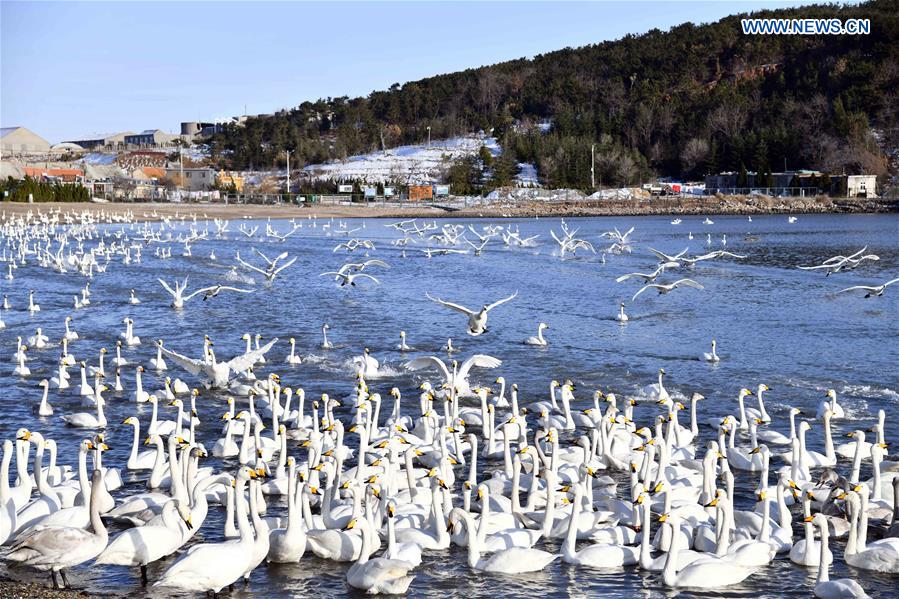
(150, 137)
(107, 140)
(229, 180)
(19, 140)
(66, 175)
(793, 183)
(857, 186)
(195, 179)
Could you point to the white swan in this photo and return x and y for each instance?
(621, 316)
(214, 566)
(325, 343)
(377, 575)
(477, 320)
(709, 573)
(44, 408)
(538, 338)
(843, 588)
(712, 356)
(293, 358)
(457, 379)
(830, 402)
(143, 545)
(86, 419)
(59, 548)
(516, 560)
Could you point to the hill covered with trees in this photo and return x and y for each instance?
(689, 101)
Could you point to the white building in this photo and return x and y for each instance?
(19, 140)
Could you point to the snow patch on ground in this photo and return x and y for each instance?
(406, 164)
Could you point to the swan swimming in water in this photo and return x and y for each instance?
(621, 316)
(538, 338)
(712, 356)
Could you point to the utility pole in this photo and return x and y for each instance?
(429, 137)
(592, 167)
(288, 174)
(181, 166)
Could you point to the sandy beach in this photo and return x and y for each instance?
(499, 209)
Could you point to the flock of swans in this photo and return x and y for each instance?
(630, 482)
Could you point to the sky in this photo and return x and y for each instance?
(69, 70)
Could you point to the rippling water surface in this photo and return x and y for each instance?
(774, 324)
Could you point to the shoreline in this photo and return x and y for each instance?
(711, 205)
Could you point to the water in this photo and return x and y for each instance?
(774, 324)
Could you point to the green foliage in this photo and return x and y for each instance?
(644, 98)
(42, 191)
(464, 176)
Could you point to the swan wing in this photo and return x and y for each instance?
(367, 276)
(192, 366)
(634, 275)
(688, 283)
(241, 363)
(450, 305)
(502, 301)
(479, 361)
(853, 288)
(52, 541)
(167, 288)
(199, 291)
(888, 283)
(380, 263)
(428, 362)
(250, 266)
(263, 256)
(285, 265)
(235, 289)
(644, 288)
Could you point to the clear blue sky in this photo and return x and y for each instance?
(68, 70)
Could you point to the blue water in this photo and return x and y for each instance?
(774, 324)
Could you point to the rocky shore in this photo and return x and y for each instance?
(689, 205)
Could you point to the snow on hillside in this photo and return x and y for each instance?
(527, 175)
(405, 164)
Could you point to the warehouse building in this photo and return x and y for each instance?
(19, 140)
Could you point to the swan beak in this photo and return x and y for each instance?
(147, 441)
(260, 472)
(442, 484)
(793, 484)
(712, 503)
(658, 488)
(756, 450)
(104, 447)
(842, 495)
(390, 511)
(663, 517)
(857, 488)
(190, 525)
(350, 525)
(808, 518)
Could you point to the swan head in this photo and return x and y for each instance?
(662, 371)
(403, 334)
(763, 387)
(542, 326)
(831, 394)
(23, 434)
(131, 420)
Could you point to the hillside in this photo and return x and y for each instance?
(692, 100)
